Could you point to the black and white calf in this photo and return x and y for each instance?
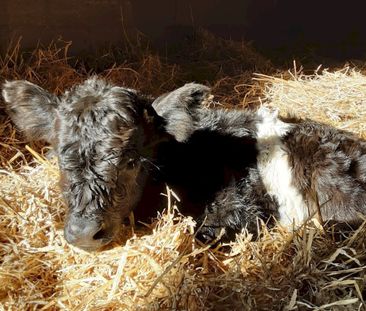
(302, 167)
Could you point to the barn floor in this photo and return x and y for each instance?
(160, 266)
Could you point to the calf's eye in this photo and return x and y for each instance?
(131, 163)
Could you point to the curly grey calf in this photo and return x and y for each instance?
(239, 165)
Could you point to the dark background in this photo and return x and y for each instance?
(282, 30)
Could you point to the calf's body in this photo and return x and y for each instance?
(302, 168)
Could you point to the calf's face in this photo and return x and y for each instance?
(95, 131)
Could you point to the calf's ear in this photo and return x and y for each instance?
(31, 108)
(179, 108)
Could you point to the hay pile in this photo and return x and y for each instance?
(337, 98)
(161, 266)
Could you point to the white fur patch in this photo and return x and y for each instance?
(5, 92)
(275, 170)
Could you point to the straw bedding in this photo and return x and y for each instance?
(160, 266)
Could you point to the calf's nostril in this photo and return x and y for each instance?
(100, 234)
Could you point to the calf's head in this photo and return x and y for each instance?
(95, 130)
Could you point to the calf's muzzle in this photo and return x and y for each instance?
(87, 234)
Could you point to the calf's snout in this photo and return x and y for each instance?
(87, 234)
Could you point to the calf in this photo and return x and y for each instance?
(238, 165)
(302, 167)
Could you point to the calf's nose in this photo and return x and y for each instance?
(87, 234)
